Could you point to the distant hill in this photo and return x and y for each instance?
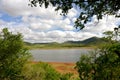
(92, 40)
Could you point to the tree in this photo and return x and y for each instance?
(103, 63)
(108, 35)
(111, 38)
(88, 8)
(13, 55)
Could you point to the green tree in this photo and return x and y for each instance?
(103, 63)
(88, 8)
(111, 38)
(13, 55)
(108, 35)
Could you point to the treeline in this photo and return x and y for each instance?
(90, 42)
(52, 45)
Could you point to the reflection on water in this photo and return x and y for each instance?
(58, 55)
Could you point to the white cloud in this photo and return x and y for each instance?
(67, 27)
(45, 25)
(105, 24)
(66, 21)
(72, 13)
(37, 15)
(40, 26)
(21, 8)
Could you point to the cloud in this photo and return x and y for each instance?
(108, 23)
(21, 8)
(0, 15)
(36, 17)
(72, 13)
(38, 24)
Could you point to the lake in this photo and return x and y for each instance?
(58, 55)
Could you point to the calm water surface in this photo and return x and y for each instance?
(58, 55)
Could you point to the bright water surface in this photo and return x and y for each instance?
(58, 55)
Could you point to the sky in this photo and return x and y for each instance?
(38, 24)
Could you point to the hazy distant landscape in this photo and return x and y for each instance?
(87, 43)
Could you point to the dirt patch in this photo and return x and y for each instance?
(64, 67)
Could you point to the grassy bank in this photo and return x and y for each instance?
(57, 46)
(50, 70)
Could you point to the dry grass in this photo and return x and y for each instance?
(64, 67)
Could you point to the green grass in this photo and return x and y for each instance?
(55, 46)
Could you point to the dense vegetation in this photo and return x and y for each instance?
(103, 63)
(13, 55)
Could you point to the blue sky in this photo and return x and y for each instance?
(45, 25)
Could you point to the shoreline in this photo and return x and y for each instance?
(62, 48)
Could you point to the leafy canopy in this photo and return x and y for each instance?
(103, 63)
(13, 55)
(88, 8)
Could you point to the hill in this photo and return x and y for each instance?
(93, 41)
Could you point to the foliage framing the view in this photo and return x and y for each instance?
(102, 64)
(88, 8)
(13, 55)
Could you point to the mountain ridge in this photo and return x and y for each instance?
(90, 40)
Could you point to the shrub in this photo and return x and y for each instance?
(13, 55)
(40, 71)
(102, 64)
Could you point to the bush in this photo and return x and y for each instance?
(13, 55)
(102, 64)
(40, 71)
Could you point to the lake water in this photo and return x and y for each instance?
(58, 55)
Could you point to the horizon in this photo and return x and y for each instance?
(61, 42)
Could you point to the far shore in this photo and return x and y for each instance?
(61, 48)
